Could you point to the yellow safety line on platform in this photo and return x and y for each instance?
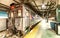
(33, 32)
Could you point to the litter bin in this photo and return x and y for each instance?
(52, 25)
(57, 28)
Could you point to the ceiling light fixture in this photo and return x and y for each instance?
(43, 6)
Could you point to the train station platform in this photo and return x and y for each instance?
(39, 32)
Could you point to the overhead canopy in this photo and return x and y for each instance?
(3, 14)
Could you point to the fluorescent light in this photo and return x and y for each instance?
(43, 6)
(3, 17)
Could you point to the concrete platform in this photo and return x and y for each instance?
(38, 32)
